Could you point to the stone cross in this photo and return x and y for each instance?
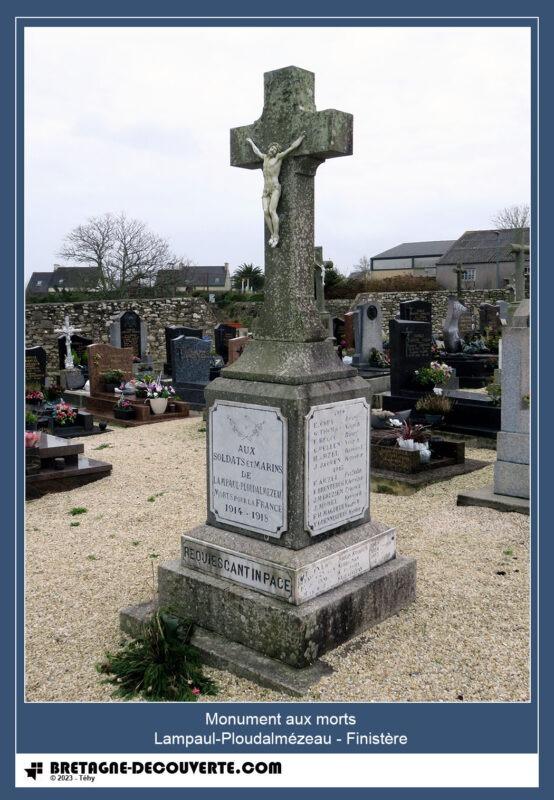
(68, 330)
(520, 250)
(459, 270)
(290, 313)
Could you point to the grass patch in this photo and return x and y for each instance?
(508, 552)
(151, 498)
(201, 430)
(159, 665)
(136, 542)
(74, 524)
(102, 446)
(92, 557)
(78, 510)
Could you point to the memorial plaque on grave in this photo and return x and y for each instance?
(466, 325)
(247, 471)
(79, 345)
(174, 331)
(103, 358)
(130, 332)
(416, 310)
(410, 348)
(35, 365)
(337, 464)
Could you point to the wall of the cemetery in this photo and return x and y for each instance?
(93, 317)
(390, 303)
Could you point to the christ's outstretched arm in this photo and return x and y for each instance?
(255, 149)
(294, 145)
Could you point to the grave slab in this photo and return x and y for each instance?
(486, 498)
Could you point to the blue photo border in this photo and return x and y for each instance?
(440, 727)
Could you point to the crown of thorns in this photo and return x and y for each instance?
(274, 144)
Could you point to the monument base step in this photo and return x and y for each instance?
(218, 652)
(294, 634)
(486, 498)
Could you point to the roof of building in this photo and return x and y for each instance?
(417, 249)
(63, 278)
(484, 247)
(194, 276)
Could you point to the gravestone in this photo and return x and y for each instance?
(368, 333)
(490, 317)
(222, 334)
(416, 310)
(410, 346)
(103, 358)
(236, 347)
(35, 366)
(466, 325)
(290, 563)
(191, 362)
(172, 332)
(128, 330)
(319, 290)
(338, 329)
(349, 327)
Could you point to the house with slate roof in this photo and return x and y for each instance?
(187, 279)
(485, 257)
(70, 279)
(409, 258)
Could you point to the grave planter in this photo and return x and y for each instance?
(158, 405)
(124, 413)
(111, 387)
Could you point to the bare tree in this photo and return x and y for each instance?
(512, 217)
(126, 253)
(363, 271)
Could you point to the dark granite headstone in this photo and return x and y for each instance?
(409, 348)
(222, 333)
(35, 365)
(172, 332)
(349, 325)
(416, 311)
(78, 343)
(191, 362)
(490, 317)
(128, 330)
(338, 329)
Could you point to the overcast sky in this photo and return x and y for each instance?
(137, 119)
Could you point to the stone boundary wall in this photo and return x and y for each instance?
(94, 316)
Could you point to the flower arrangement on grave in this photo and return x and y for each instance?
(53, 393)
(475, 344)
(161, 390)
(378, 359)
(34, 396)
(31, 420)
(122, 402)
(31, 439)
(436, 374)
(113, 379)
(494, 391)
(413, 437)
(123, 409)
(492, 339)
(141, 385)
(434, 407)
(64, 414)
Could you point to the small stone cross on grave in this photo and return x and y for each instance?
(519, 284)
(68, 330)
(289, 142)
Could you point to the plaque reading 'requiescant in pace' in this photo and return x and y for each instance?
(248, 466)
(337, 464)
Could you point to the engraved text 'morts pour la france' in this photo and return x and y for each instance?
(248, 466)
(337, 464)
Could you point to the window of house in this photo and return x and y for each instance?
(39, 283)
(468, 274)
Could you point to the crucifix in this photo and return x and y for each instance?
(519, 284)
(68, 330)
(459, 271)
(296, 139)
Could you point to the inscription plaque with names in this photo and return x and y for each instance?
(248, 466)
(337, 464)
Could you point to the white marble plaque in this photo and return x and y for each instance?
(337, 464)
(248, 466)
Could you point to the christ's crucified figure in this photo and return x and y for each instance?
(272, 188)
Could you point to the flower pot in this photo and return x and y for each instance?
(124, 413)
(111, 387)
(424, 454)
(140, 393)
(437, 390)
(406, 444)
(158, 404)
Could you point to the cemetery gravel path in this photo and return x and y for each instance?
(466, 637)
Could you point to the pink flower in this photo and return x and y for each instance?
(196, 690)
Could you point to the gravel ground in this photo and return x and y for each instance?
(466, 637)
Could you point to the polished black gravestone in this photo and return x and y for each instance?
(410, 347)
(191, 362)
(173, 332)
(129, 330)
(416, 311)
(62, 466)
(222, 333)
(35, 366)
